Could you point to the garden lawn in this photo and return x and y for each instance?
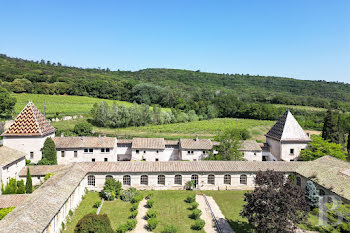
(118, 212)
(173, 210)
(231, 204)
(85, 207)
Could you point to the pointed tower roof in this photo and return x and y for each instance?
(30, 122)
(287, 129)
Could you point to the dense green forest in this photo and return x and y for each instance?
(225, 95)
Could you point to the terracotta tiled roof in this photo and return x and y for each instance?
(12, 200)
(171, 142)
(148, 143)
(287, 129)
(84, 142)
(8, 155)
(196, 144)
(30, 122)
(41, 170)
(124, 141)
(250, 145)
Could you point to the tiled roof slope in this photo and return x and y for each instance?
(41, 170)
(250, 145)
(8, 155)
(148, 143)
(12, 200)
(84, 142)
(287, 129)
(196, 144)
(30, 122)
(329, 172)
(36, 212)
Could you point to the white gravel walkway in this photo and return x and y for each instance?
(141, 226)
(209, 226)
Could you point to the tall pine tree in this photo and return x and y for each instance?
(330, 127)
(29, 187)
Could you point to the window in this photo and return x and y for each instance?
(227, 179)
(322, 192)
(144, 152)
(157, 159)
(93, 160)
(298, 181)
(106, 159)
(91, 150)
(91, 180)
(211, 179)
(243, 179)
(31, 154)
(62, 153)
(254, 153)
(75, 154)
(161, 179)
(102, 150)
(203, 151)
(157, 151)
(107, 150)
(144, 180)
(86, 150)
(137, 151)
(291, 151)
(188, 152)
(109, 177)
(126, 180)
(192, 152)
(178, 179)
(195, 179)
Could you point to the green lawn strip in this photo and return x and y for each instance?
(118, 212)
(173, 210)
(85, 207)
(231, 204)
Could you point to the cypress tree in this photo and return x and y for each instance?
(330, 127)
(29, 187)
(348, 145)
(311, 195)
(49, 151)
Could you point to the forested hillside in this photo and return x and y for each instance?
(224, 95)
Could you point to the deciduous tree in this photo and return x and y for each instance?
(49, 153)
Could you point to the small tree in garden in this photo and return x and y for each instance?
(20, 187)
(49, 153)
(276, 205)
(111, 189)
(190, 185)
(94, 223)
(312, 194)
(29, 187)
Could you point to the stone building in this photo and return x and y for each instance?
(195, 149)
(28, 132)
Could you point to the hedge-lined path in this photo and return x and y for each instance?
(220, 218)
(209, 226)
(141, 226)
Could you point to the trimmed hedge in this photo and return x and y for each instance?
(152, 223)
(94, 223)
(133, 214)
(198, 225)
(191, 198)
(169, 229)
(194, 206)
(151, 214)
(150, 203)
(196, 214)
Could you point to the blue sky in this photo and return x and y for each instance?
(303, 39)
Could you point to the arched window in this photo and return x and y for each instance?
(211, 179)
(91, 180)
(243, 179)
(109, 177)
(178, 179)
(126, 180)
(195, 179)
(227, 179)
(161, 179)
(298, 179)
(144, 180)
(322, 192)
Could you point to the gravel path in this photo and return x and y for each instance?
(141, 226)
(209, 226)
(224, 226)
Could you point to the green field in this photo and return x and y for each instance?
(204, 129)
(308, 108)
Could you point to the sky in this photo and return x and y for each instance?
(303, 39)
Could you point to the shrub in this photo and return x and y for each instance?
(198, 225)
(196, 214)
(129, 194)
(169, 229)
(20, 187)
(194, 206)
(97, 204)
(94, 223)
(133, 214)
(108, 195)
(70, 213)
(190, 185)
(137, 198)
(191, 198)
(150, 203)
(122, 228)
(149, 196)
(131, 223)
(49, 152)
(5, 211)
(152, 223)
(48, 175)
(111, 189)
(83, 129)
(151, 214)
(134, 206)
